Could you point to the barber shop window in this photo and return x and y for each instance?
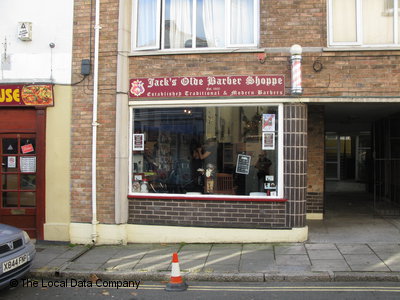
(194, 24)
(215, 150)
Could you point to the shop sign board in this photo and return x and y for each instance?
(207, 86)
(26, 95)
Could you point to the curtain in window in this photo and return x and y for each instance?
(242, 22)
(377, 25)
(147, 23)
(344, 21)
(180, 23)
(214, 22)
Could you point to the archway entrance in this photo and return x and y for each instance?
(362, 157)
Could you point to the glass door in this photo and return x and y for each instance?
(332, 156)
(18, 181)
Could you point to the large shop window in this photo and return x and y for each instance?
(217, 150)
(364, 22)
(183, 24)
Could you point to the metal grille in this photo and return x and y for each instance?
(387, 187)
(16, 244)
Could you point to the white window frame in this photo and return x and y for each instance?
(160, 44)
(256, 26)
(359, 29)
(134, 31)
(210, 103)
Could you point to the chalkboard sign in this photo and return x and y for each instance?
(243, 164)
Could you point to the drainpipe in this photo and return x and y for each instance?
(94, 122)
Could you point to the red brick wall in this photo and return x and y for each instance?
(288, 22)
(315, 162)
(354, 74)
(82, 112)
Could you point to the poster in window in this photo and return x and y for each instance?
(268, 140)
(138, 142)
(268, 122)
(27, 148)
(27, 164)
(11, 162)
(243, 164)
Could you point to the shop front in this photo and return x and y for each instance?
(218, 158)
(22, 152)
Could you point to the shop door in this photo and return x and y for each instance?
(18, 191)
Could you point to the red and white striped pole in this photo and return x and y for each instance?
(295, 59)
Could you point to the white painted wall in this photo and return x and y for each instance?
(52, 22)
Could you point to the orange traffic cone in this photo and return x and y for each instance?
(176, 283)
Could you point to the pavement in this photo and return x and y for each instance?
(348, 245)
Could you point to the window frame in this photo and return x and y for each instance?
(359, 28)
(207, 103)
(160, 31)
(135, 27)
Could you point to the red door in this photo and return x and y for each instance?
(22, 173)
(18, 181)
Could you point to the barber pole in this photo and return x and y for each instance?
(295, 59)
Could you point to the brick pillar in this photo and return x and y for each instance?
(295, 163)
(315, 165)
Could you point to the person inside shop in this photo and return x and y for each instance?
(204, 158)
(204, 165)
(197, 168)
(150, 163)
(263, 164)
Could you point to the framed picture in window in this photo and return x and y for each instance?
(138, 142)
(268, 122)
(268, 140)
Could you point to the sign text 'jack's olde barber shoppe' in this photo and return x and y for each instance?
(208, 86)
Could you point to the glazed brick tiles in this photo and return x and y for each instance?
(228, 214)
(295, 163)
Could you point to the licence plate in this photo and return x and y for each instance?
(15, 262)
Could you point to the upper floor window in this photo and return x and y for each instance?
(182, 24)
(364, 23)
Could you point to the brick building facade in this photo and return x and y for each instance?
(338, 81)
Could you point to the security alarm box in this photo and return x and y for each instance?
(25, 31)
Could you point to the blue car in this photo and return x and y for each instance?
(16, 254)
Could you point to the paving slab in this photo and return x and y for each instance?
(223, 268)
(385, 248)
(90, 267)
(327, 246)
(290, 249)
(365, 262)
(354, 249)
(292, 260)
(254, 265)
(157, 259)
(329, 265)
(192, 265)
(324, 254)
(394, 267)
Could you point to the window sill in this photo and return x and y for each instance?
(194, 51)
(360, 48)
(205, 197)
